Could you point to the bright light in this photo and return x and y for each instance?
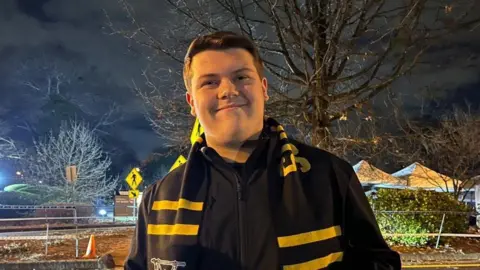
(19, 173)
(102, 212)
(40, 182)
(138, 169)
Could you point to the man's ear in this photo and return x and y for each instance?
(189, 99)
(265, 88)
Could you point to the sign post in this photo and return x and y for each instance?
(477, 202)
(134, 178)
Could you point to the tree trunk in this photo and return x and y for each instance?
(320, 123)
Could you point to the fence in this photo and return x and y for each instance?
(420, 227)
(44, 222)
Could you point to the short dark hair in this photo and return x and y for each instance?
(222, 40)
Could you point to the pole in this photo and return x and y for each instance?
(46, 241)
(76, 230)
(440, 232)
(135, 210)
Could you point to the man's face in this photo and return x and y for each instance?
(227, 95)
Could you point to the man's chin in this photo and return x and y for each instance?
(229, 136)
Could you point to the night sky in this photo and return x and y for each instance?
(74, 36)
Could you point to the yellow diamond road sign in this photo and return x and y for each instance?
(134, 178)
(180, 160)
(132, 194)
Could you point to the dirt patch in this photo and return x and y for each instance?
(453, 245)
(117, 243)
(114, 242)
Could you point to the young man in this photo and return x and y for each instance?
(248, 196)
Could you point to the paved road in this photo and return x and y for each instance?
(460, 268)
(464, 267)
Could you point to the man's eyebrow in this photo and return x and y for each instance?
(244, 69)
(209, 75)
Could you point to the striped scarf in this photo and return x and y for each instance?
(298, 231)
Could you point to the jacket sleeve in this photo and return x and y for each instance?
(137, 257)
(366, 248)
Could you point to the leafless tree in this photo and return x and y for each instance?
(74, 145)
(449, 147)
(358, 138)
(325, 57)
(8, 148)
(166, 110)
(52, 87)
(44, 75)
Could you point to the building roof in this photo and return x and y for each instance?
(418, 175)
(369, 174)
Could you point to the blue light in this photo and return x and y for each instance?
(102, 212)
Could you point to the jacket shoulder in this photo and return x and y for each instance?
(326, 168)
(322, 159)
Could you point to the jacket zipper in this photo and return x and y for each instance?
(241, 220)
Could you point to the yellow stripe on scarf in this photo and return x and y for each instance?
(177, 229)
(309, 237)
(175, 205)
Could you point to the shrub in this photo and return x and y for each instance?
(422, 212)
(392, 223)
(16, 198)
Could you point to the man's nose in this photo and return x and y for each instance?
(227, 89)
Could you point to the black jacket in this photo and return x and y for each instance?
(233, 225)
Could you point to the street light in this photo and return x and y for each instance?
(102, 212)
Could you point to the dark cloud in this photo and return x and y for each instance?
(74, 34)
(78, 27)
(34, 9)
(448, 73)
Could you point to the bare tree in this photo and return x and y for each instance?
(360, 138)
(59, 90)
(42, 76)
(8, 148)
(166, 111)
(325, 57)
(449, 147)
(74, 145)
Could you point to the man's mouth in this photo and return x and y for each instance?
(230, 106)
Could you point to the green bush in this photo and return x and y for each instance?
(421, 212)
(396, 223)
(16, 198)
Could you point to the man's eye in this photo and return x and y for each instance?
(242, 77)
(209, 83)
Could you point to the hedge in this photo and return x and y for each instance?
(16, 198)
(419, 211)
